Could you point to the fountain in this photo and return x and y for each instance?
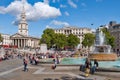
(102, 51)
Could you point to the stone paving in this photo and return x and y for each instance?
(12, 70)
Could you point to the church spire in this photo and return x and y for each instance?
(23, 26)
(23, 15)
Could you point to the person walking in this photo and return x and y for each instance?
(25, 63)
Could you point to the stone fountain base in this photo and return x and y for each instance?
(103, 56)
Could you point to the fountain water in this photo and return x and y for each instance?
(102, 51)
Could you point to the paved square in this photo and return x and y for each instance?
(12, 70)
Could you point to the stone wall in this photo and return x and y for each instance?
(103, 57)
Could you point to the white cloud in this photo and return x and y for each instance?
(48, 26)
(66, 13)
(71, 3)
(59, 23)
(63, 6)
(37, 11)
(46, 1)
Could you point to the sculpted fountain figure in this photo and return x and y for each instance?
(101, 50)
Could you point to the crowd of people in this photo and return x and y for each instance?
(9, 54)
(33, 59)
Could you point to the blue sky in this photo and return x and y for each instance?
(57, 14)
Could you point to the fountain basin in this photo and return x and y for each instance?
(103, 56)
(102, 64)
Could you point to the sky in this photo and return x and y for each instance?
(41, 14)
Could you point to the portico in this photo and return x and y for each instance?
(22, 41)
(19, 42)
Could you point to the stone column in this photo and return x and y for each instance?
(21, 42)
(15, 42)
(18, 43)
(24, 43)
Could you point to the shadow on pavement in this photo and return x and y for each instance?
(67, 78)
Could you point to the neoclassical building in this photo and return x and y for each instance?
(6, 40)
(79, 32)
(114, 29)
(21, 39)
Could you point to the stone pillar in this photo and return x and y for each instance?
(18, 43)
(15, 42)
(24, 42)
(21, 42)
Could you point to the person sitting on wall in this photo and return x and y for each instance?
(93, 69)
(87, 67)
(55, 62)
(96, 63)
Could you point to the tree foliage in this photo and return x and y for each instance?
(48, 37)
(73, 40)
(109, 38)
(88, 40)
(60, 41)
(1, 38)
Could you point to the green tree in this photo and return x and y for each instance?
(60, 41)
(109, 38)
(72, 40)
(48, 37)
(1, 39)
(88, 40)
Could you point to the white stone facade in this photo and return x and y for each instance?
(6, 39)
(79, 32)
(114, 29)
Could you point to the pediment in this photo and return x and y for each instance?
(17, 35)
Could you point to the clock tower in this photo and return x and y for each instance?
(23, 25)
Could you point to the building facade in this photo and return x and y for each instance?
(21, 39)
(114, 29)
(79, 32)
(6, 39)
